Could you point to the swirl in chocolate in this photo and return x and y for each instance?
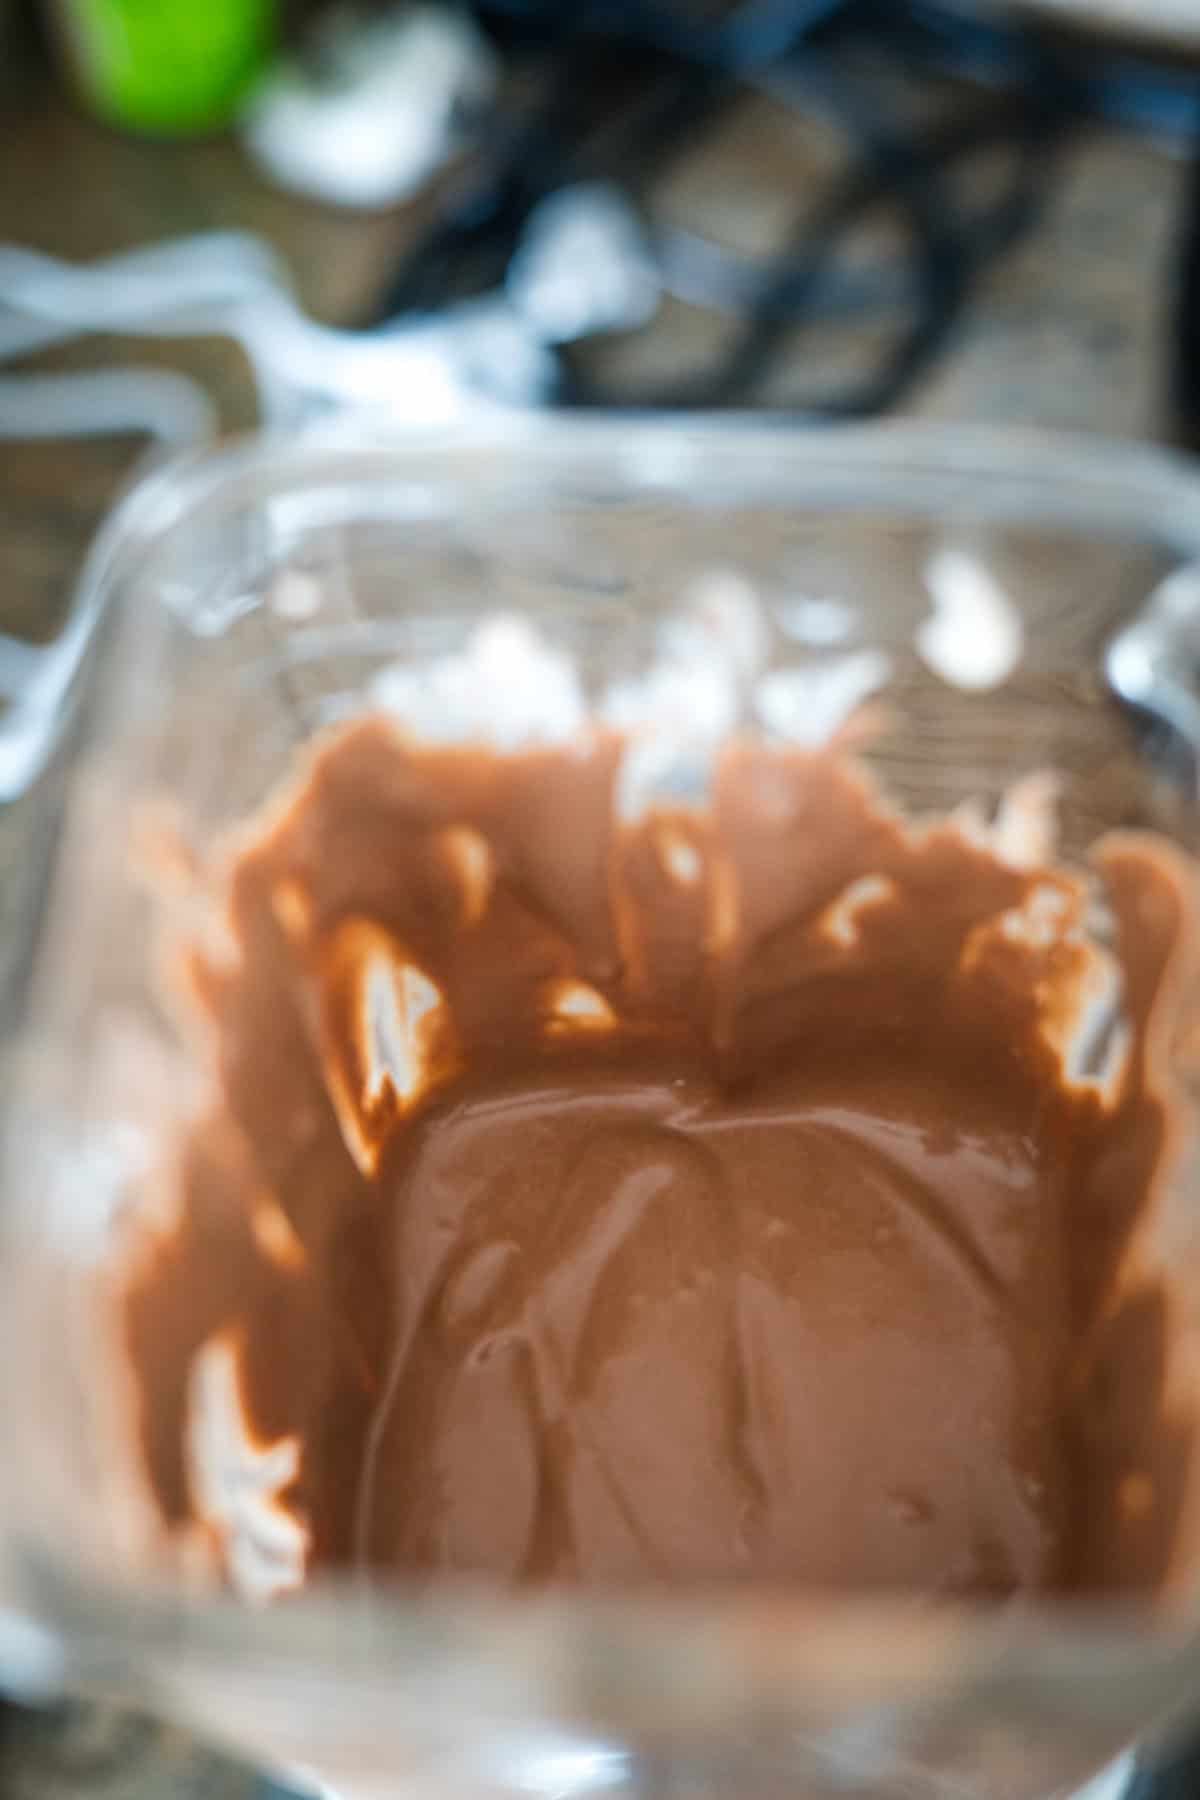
(740, 1191)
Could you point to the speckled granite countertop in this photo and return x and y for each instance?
(1066, 332)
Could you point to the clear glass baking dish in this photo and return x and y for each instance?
(240, 602)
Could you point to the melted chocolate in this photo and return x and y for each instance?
(741, 1192)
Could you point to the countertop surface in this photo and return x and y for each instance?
(1067, 331)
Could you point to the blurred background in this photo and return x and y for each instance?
(217, 214)
(247, 211)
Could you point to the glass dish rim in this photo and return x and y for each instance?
(1155, 485)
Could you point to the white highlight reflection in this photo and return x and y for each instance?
(236, 1483)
